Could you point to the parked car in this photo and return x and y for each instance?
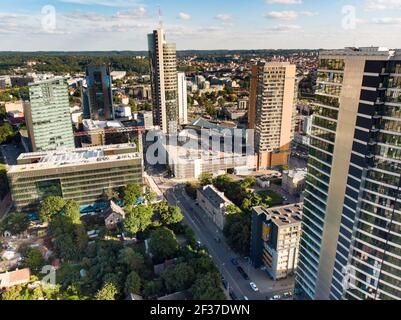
(243, 273)
(233, 295)
(253, 286)
(276, 297)
(234, 261)
(246, 298)
(287, 294)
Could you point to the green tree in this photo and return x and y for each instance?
(237, 231)
(50, 207)
(133, 283)
(6, 132)
(71, 210)
(153, 289)
(138, 218)
(169, 214)
(107, 292)
(12, 293)
(179, 277)
(163, 243)
(233, 209)
(150, 196)
(34, 260)
(15, 223)
(132, 193)
(205, 179)
(207, 287)
(132, 259)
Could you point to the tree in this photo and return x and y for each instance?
(50, 207)
(179, 277)
(207, 287)
(237, 231)
(205, 179)
(153, 289)
(150, 196)
(6, 132)
(233, 209)
(163, 243)
(132, 193)
(12, 293)
(107, 292)
(71, 210)
(34, 260)
(133, 283)
(138, 218)
(169, 214)
(132, 259)
(15, 223)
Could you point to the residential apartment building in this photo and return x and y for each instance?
(182, 99)
(350, 246)
(84, 175)
(99, 94)
(275, 236)
(214, 203)
(164, 80)
(48, 117)
(272, 104)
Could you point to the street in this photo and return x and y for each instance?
(206, 232)
(10, 153)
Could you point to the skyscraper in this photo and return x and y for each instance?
(163, 68)
(98, 81)
(48, 116)
(182, 98)
(350, 245)
(272, 111)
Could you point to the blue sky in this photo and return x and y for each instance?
(198, 24)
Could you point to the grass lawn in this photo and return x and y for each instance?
(276, 198)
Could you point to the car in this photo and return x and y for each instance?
(198, 243)
(253, 286)
(276, 297)
(245, 298)
(234, 261)
(233, 295)
(243, 273)
(287, 294)
(225, 283)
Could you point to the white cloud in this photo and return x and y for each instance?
(107, 3)
(288, 15)
(387, 21)
(184, 16)
(284, 28)
(283, 1)
(224, 17)
(382, 4)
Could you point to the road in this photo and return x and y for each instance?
(10, 153)
(206, 232)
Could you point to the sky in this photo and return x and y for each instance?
(83, 25)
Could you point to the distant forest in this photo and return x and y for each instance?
(75, 62)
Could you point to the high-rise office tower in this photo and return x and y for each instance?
(163, 68)
(351, 241)
(100, 97)
(182, 98)
(48, 116)
(272, 111)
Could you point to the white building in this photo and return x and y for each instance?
(214, 203)
(182, 98)
(118, 75)
(294, 180)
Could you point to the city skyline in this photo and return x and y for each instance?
(269, 24)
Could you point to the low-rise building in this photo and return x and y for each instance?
(114, 215)
(84, 175)
(14, 278)
(294, 181)
(275, 237)
(214, 203)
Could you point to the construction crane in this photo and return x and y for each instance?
(139, 129)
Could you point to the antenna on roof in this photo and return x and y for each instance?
(160, 17)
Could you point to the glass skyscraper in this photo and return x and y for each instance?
(99, 94)
(351, 239)
(48, 116)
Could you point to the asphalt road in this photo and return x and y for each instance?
(206, 232)
(10, 153)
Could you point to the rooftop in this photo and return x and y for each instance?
(283, 215)
(215, 197)
(363, 51)
(50, 159)
(96, 124)
(16, 277)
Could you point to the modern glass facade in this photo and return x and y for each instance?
(99, 95)
(83, 175)
(365, 228)
(48, 116)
